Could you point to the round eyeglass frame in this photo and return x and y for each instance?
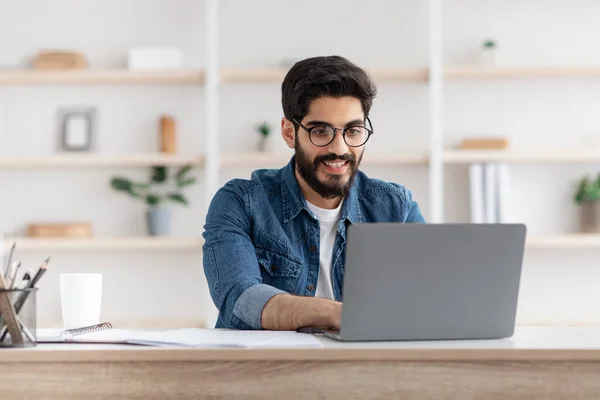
(309, 130)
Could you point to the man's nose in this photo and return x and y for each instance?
(338, 145)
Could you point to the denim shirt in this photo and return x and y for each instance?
(261, 239)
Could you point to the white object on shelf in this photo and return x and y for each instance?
(154, 58)
(488, 54)
(490, 193)
(477, 193)
(503, 192)
(145, 244)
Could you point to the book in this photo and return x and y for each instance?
(186, 337)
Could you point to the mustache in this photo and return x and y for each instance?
(335, 157)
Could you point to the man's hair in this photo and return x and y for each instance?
(331, 76)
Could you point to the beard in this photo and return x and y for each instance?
(335, 185)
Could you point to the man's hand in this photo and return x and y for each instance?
(288, 312)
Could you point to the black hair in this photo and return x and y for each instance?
(316, 77)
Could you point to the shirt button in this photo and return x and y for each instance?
(311, 288)
(273, 268)
(313, 249)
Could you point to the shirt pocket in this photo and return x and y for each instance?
(279, 271)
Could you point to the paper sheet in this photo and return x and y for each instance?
(204, 338)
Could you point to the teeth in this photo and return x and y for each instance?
(335, 164)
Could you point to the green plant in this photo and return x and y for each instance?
(158, 189)
(489, 44)
(264, 129)
(588, 190)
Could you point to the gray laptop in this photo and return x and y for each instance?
(431, 281)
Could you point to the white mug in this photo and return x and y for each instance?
(80, 299)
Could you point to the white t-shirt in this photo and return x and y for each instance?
(328, 220)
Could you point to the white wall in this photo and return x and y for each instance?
(557, 287)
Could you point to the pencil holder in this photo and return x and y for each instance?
(20, 313)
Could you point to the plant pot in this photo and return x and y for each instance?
(158, 221)
(590, 217)
(264, 144)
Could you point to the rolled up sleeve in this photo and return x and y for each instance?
(250, 304)
(230, 263)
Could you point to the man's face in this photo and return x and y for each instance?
(329, 170)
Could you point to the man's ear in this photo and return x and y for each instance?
(288, 132)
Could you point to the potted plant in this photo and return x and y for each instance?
(588, 198)
(488, 53)
(159, 190)
(264, 129)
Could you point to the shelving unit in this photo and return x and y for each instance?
(99, 77)
(213, 76)
(109, 244)
(97, 160)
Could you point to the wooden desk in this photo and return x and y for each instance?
(549, 363)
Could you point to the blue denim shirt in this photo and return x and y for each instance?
(261, 239)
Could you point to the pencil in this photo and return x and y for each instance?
(39, 273)
(10, 255)
(31, 284)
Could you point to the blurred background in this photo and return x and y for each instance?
(95, 95)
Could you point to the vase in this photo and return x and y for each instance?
(590, 217)
(488, 57)
(158, 221)
(264, 144)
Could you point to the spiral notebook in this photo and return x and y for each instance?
(69, 335)
(189, 337)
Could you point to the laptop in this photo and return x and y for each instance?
(430, 281)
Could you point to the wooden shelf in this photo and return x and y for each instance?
(253, 76)
(406, 74)
(35, 77)
(395, 159)
(255, 160)
(144, 244)
(522, 157)
(564, 241)
(277, 75)
(94, 160)
(517, 72)
(278, 160)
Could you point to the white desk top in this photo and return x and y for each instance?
(539, 343)
(524, 338)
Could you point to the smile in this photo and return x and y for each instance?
(336, 167)
(336, 164)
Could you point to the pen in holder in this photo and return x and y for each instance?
(18, 317)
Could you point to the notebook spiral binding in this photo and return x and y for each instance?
(88, 329)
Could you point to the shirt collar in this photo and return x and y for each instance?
(293, 200)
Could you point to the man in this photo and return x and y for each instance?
(274, 244)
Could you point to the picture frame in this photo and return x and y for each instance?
(76, 128)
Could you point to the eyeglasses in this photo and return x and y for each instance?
(323, 135)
